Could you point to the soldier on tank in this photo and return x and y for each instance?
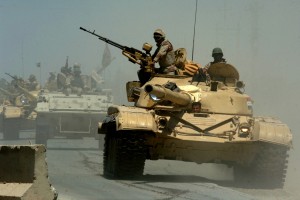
(51, 83)
(202, 74)
(77, 83)
(64, 78)
(196, 107)
(164, 54)
(217, 54)
(32, 83)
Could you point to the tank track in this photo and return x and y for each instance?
(267, 170)
(124, 155)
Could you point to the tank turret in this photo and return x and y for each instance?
(31, 96)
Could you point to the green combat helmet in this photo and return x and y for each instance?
(217, 50)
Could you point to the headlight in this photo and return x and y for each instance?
(162, 121)
(244, 129)
(24, 100)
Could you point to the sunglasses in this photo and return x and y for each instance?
(157, 36)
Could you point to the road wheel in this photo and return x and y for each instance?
(11, 129)
(124, 155)
(268, 169)
(41, 135)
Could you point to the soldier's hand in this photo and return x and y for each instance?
(151, 63)
(171, 68)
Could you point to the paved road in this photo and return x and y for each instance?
(75, 170)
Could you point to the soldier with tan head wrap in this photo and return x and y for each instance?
(164, 54)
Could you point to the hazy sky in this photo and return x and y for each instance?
(260, 38)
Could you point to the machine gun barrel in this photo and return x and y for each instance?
(105, 39)
(15, 78)
(18, 80)
(144, 59)
(161, 92)
(134, 55)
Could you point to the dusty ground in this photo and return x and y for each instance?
(75, 170)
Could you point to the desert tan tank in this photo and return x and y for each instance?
(194, 119)
(163, 124)
(18, 113)
(72, 112)
(24, 173)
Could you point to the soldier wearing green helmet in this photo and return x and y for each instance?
(202, 74)
(217, 54)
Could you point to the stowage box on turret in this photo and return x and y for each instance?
(163, 125)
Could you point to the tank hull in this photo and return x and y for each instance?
(134, 135)
(12, 121)
(69, 116)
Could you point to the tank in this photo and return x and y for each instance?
(71, 115)
(164, 124)
(17, 112)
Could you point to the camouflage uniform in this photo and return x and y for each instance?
(214, 62)
(64, 78)
(77, 83)
(164, 54)
(51, 84)
(32, 84)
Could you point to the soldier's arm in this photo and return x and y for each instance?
(162, 51)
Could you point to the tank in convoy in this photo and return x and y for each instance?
(17, 109)
(191, 118)
(73, 107)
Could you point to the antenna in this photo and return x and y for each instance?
(23, 69)
(194, 29)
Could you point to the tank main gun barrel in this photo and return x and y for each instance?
(167, 94)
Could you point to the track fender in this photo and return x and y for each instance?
(272, 130)
(130, 118)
